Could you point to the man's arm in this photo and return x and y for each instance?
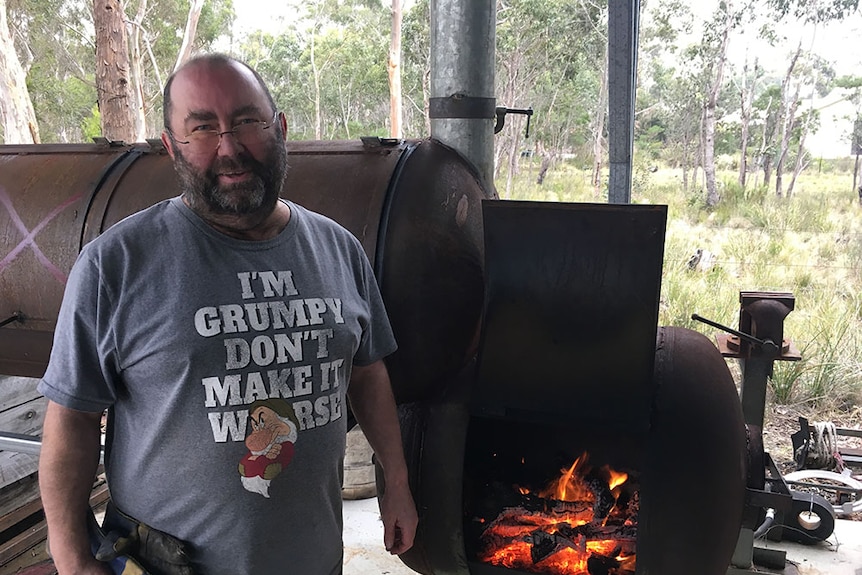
(373, 404)
(67, 468)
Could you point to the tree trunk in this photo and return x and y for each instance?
(767, 135)
(746, 98)
(785, 120)
(189, 35)
(547, 161)
(800, 159)
(136, 58)
(16, 108)
(315, 74)
(709, 112)
(508, 140)
(113, 86)
(685, 154)
(426, 95)
(599, 129)
(787, 133)
(513, 159)
(394, 69)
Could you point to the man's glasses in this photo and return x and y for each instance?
(247, 132)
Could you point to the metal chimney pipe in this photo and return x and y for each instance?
(462, 104)
(623, 24)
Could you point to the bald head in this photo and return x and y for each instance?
(209, 61)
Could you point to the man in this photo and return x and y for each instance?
(205, 323)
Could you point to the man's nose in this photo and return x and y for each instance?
(229, 144)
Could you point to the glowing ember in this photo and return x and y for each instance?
(575, 526)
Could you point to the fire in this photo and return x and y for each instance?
(568, 487)
(564, 528)
(616, 479)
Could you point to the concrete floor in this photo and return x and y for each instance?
(364, 554)
(840, 554)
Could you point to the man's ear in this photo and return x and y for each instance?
(283, 120)
(166, 142)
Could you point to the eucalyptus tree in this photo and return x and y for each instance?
(766, 110)
(355, 89)
(670, 94)
(328, 68)
(396, 129)
(54, 44)
(277, 58)
(814, 11)
(551, 57)
(852, 88)
(117, 101)
(814, 75)
(816, 80)
(747, 88)
(416, 69)
(335, 78)
(713, 52)
(58, 41)
(17, 116)
(157, 34)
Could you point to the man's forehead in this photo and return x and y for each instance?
(202, 87)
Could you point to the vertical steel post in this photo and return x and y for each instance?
(623, 21)
(462, 102)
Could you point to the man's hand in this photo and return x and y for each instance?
(370, 395)
(399, 518)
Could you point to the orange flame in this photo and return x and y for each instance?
(617, 478)
(569, 487)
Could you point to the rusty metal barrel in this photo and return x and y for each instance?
(414, 205)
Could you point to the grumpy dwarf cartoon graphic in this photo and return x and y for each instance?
(270, 443)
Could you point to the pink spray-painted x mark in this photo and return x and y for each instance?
(30, 235)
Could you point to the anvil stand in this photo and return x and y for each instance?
(758, 344)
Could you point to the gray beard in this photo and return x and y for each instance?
(236, 199)
(204, 194)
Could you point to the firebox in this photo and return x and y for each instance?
(533, 506)
(585, 440)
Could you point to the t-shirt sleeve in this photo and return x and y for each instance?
(82, 369)
(377, 339)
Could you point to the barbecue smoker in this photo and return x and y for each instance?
(572, 368)
(415, 207)
(534, 386)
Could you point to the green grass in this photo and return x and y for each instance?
(809, 244)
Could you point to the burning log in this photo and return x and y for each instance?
(503, 496)
(534, 504)
(605, 500)
(599, 564)
(539, 512)
(597, 532)
(545, 544)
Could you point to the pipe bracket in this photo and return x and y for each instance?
(462, 106)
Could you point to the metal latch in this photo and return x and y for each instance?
(501, 112)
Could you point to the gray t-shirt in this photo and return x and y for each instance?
(225, 364)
